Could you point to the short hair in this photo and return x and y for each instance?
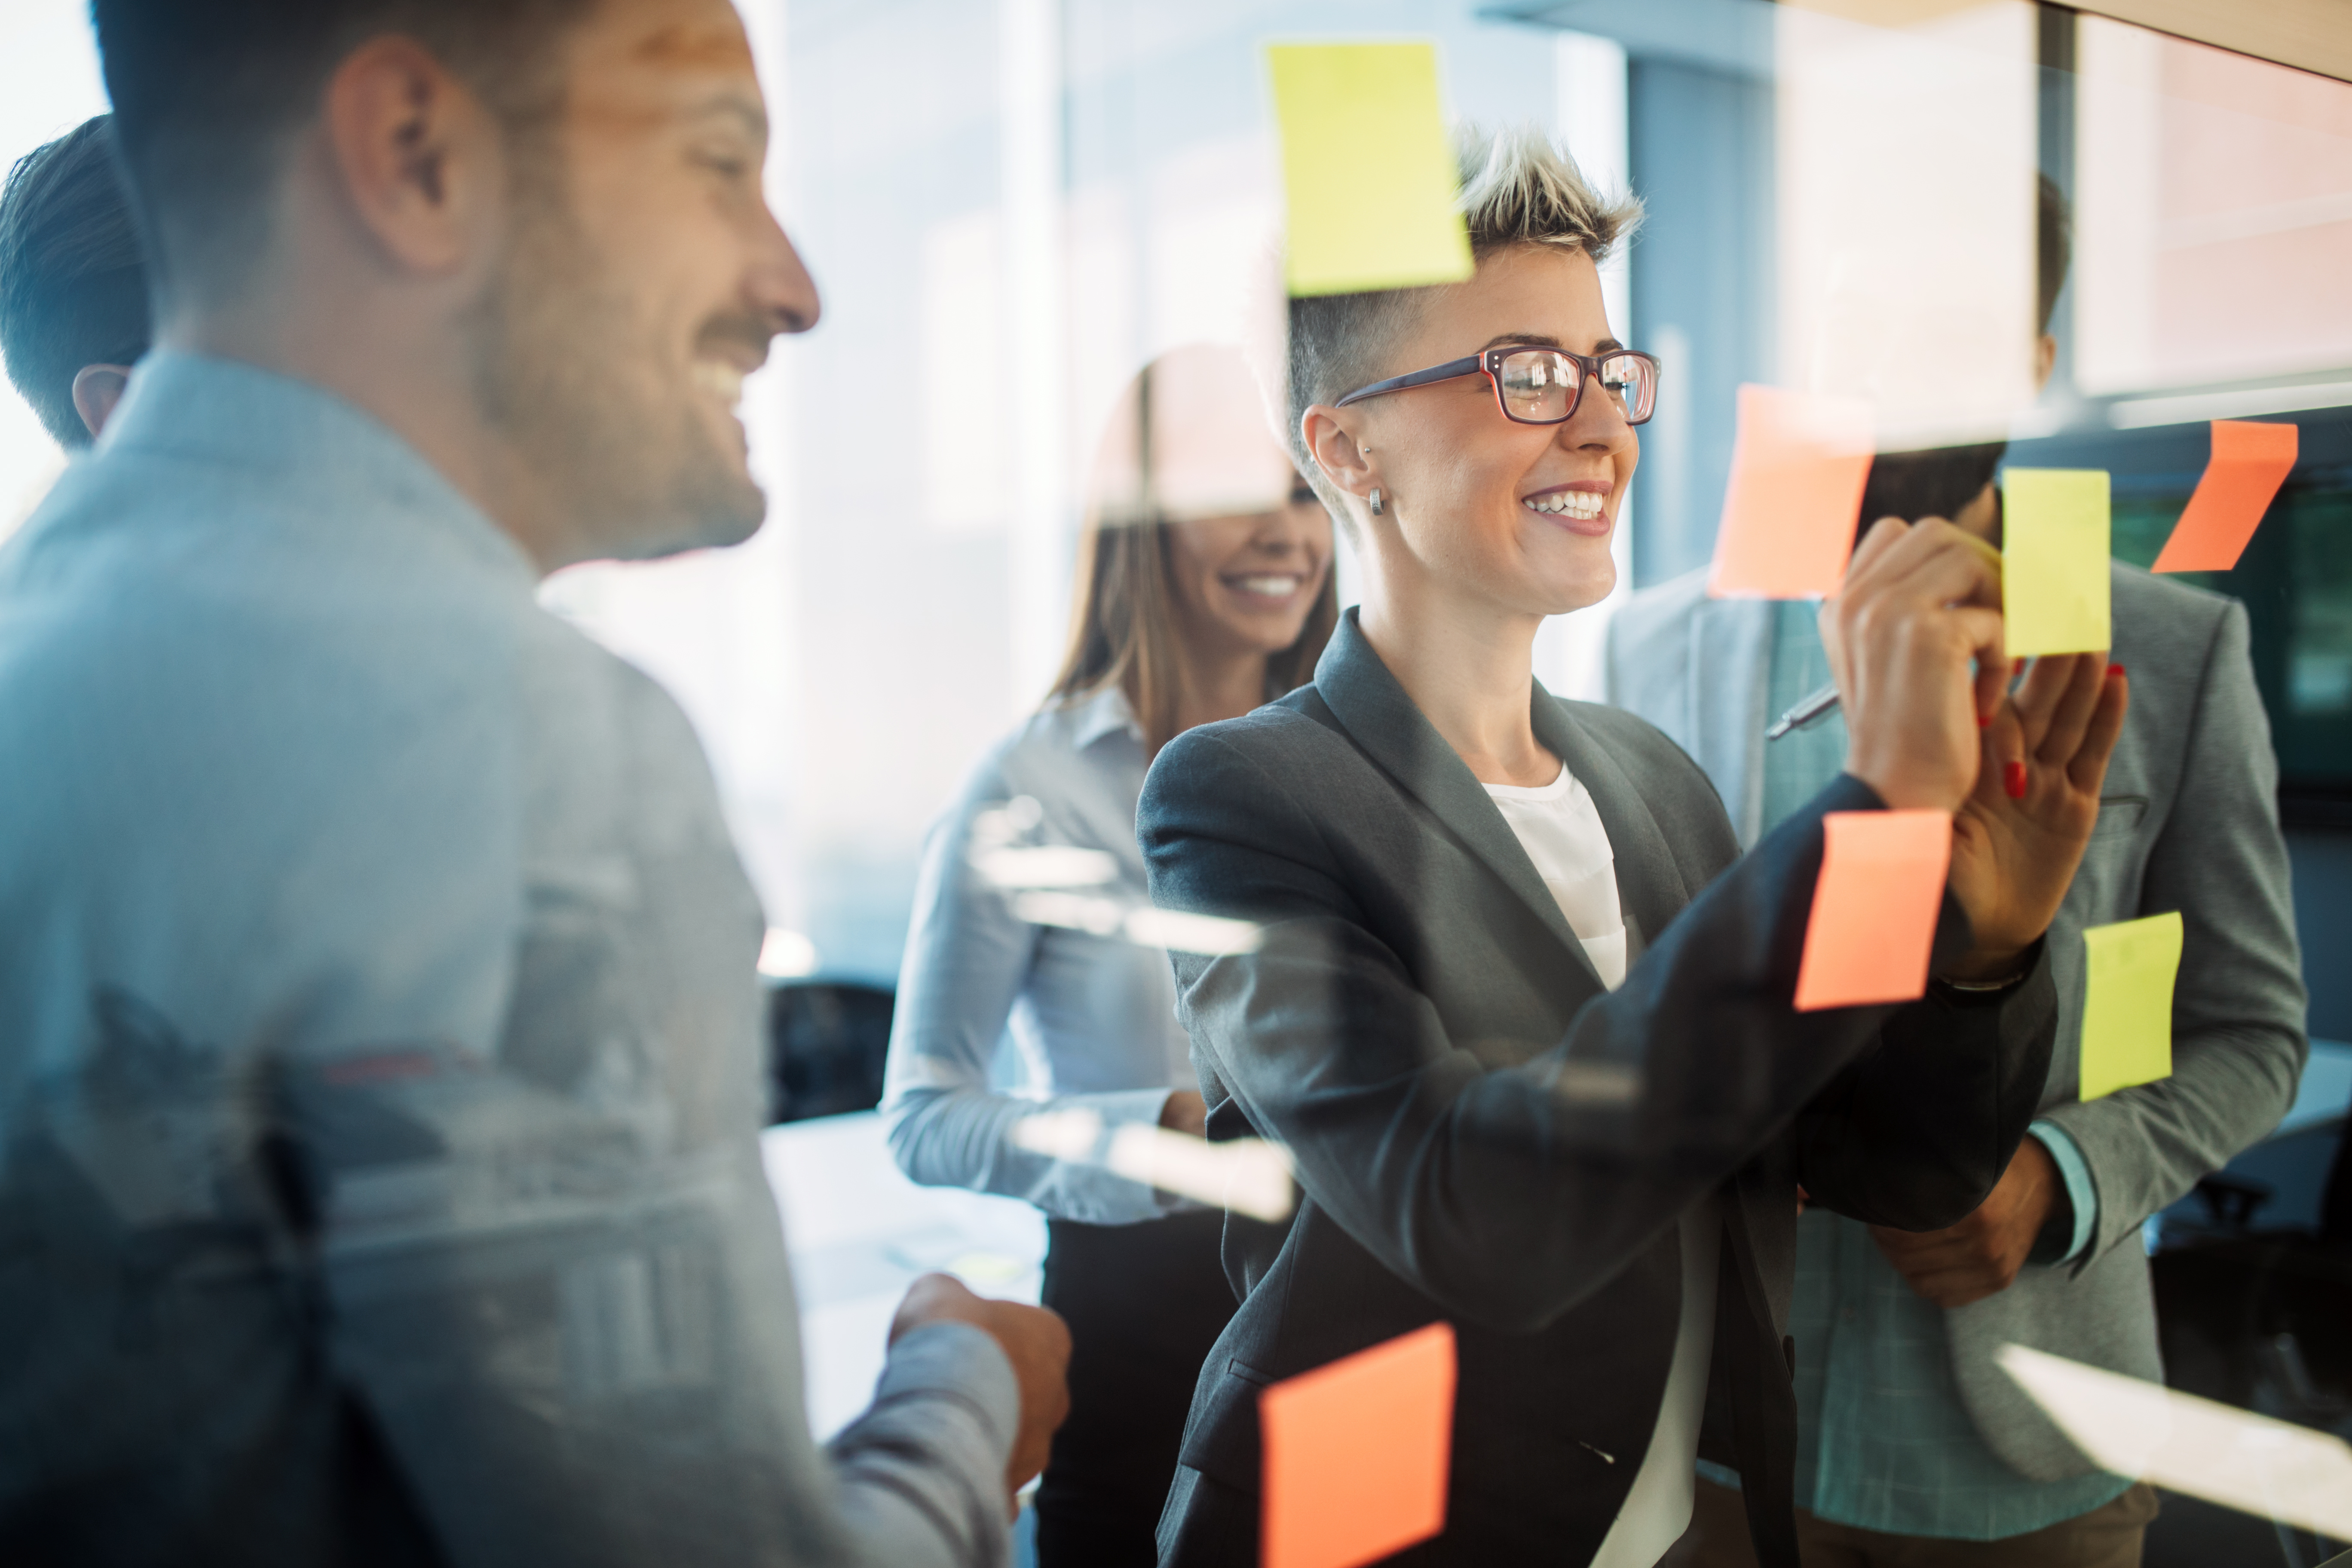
(209, 94)
(1520, 187)
(73, 289)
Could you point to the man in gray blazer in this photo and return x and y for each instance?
(1909, 1427)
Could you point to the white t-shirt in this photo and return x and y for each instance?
(1561, 831)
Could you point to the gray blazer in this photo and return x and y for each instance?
(1487, 1136)
(2188, 821)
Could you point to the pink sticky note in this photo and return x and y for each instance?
(2250, 462)
(1357, 1452)
(1874, 908)
(1797, 469)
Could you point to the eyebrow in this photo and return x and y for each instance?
(1546, 341)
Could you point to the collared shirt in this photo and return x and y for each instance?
(1883, 1442)
(383, 1050)
(1007, 931)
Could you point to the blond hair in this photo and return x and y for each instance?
(1519, 186)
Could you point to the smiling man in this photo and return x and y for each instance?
(379, 1036)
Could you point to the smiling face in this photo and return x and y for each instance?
(1244, 583)
(1515, 517)
(645, 280)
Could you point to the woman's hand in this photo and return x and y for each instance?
(2019, 836)
(1918, 603)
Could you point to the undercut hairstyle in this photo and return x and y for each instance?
(1520, 187)
(210, 95)
(73, 289)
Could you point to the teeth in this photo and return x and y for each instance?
(719, 379)
(1583, 504)
(1273, 587)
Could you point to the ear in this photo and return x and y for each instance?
(2045, 360)
(96, 388)
(418, 154)
(1334, 441)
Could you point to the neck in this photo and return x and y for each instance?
(1469, 666)
(1214, 684)
(411, 375)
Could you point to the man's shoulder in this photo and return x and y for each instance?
(2165, 630)
(1663, 610)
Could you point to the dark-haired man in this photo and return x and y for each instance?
(379, 1178)
(1913, 1446)
(73, 291)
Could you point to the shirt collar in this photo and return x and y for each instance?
(1106, 712)
(314, 448)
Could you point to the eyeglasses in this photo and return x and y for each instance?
(1541, 386)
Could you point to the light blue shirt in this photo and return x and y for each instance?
(1883, 1441)
(1092, 1014)
(379, 1045)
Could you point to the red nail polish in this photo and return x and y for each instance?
(1984, 720)
(2114, 670)
(2012, 777)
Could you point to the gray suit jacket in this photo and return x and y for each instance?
(1487, 1136)
(2188, 821)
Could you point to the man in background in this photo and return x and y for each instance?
(379, 1034)
(73, 291)
(1915, 1447)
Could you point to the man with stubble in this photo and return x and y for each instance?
(378, 1033)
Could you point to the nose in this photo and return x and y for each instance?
(782, 291)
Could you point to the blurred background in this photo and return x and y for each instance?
(1045, 193)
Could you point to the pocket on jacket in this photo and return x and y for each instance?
(1221, 1441)
(2119, 816)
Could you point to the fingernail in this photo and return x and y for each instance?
(2012, 777)
(1984, 720)
(2114, 670)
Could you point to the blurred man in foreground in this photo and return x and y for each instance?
(378, 1027)
(73, 291)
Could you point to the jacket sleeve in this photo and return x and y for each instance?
(1510, 1195)
(2238, 1041)
(967, 957)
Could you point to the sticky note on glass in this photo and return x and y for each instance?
(2250, 462)
(1795, 503)
(1367, 168)
(2053, 561)
(2127, 1003)
(1357, 1453)
(1874, 908)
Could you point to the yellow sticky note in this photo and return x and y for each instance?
(2053, 561)
(2127, 1003)
(1367, 168)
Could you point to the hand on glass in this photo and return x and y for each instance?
(1034, 1339)
(1980, 1256)
(2019, 836)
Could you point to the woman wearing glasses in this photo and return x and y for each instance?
(1206, 590)
(1523, 1016)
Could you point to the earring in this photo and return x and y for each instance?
(1378, 510)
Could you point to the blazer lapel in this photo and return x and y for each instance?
(1382, 720)
(1730, 666)
(1649, 884)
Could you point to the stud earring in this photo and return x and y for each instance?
(1378, 510)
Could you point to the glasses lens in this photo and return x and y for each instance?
(1538, 385)
(1633, 381)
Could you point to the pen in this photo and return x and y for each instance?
(1809, 710)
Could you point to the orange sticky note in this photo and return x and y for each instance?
(1798, 467)
(1357, 1453)
(2250, 462)
(1874, 908)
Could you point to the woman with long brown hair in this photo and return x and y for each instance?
(1204, 591)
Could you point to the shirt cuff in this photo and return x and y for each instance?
(2080, 1192)
(960, 1362)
